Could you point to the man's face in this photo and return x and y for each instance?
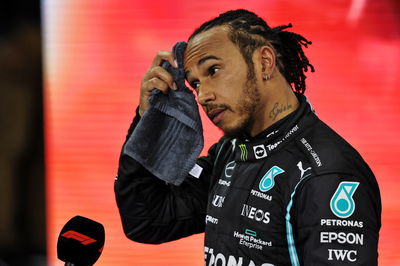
(217, 71)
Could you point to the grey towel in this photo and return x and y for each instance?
(169, 136)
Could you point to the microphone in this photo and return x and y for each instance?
(80, 242)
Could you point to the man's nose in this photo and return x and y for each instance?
(205, 94)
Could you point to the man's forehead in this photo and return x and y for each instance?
(205, 43)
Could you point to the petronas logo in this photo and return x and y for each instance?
(243, 152)
(342, 202)
(268, 182)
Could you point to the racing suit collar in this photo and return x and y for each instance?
(274, 137)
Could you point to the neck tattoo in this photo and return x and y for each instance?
(278, 109)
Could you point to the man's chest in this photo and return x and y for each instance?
(247, 214)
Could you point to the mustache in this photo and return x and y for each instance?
(210, 107)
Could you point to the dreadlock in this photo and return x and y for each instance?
(249, 32)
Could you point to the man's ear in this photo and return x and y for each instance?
(268, 60)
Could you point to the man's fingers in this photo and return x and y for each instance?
(147, 87)
(160, 73)
(164, 56)
(156, 78)
(156, 83)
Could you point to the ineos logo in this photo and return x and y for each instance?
(255, 214)
(259, 151)
(229, 169)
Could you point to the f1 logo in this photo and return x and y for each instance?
(259, 151)
(85, 240)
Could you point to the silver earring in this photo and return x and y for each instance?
(266, 77)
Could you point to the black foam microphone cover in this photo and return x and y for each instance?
(80, 242)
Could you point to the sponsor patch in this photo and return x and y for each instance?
(218, 201)
(260, 151)
(224, 182)
(255, 214)
(210, 219)
(243, 152)
(268, 182)
(213, 258)
(342, 255)
(341, 223)
(342, 203)
(250, 240)
(312, 152)
(302, 170)
(229, 169)
(260, 195)
(342, 238)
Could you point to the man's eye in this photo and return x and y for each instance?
(195, 85)
(212, 70)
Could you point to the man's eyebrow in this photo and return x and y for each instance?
(202, 61)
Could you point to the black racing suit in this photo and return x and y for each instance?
(296, 194)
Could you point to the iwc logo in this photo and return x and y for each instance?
(342, 202)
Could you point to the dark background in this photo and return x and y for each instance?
(22, 186)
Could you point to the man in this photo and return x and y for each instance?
(281, 187)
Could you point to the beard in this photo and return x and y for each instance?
(246, 110)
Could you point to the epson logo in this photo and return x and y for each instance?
(342, 238)
(255, 214)
(259, 151)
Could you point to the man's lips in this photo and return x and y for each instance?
(216, 114)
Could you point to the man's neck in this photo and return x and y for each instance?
(279, 103)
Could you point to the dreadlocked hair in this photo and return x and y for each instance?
(249, 32)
